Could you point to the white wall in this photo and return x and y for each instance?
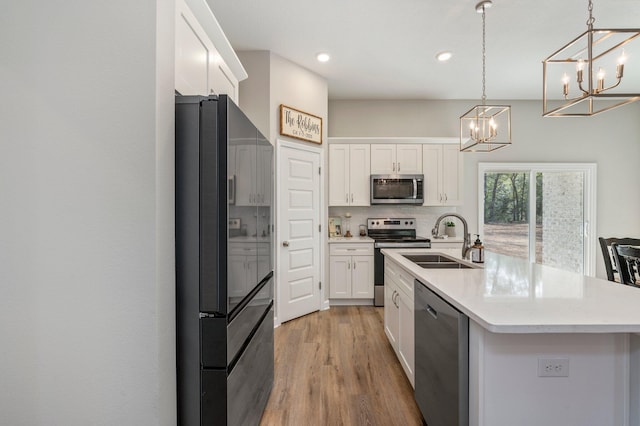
(86, 213)
(612, 140)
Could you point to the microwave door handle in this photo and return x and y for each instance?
(415, 188)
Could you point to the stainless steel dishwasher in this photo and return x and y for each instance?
(442, 360)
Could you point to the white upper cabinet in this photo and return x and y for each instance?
(396, 159)
(383, 159)
(199, 66)
(409, 159)
(349, 171)
(442, 166)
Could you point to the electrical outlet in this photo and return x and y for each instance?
(553, 367)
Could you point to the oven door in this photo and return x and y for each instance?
(397, 189)
(378, 277)
(378, 264)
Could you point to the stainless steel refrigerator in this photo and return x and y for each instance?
(224, 264)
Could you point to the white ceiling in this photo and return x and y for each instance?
(385, 49)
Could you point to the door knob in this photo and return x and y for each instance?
(285, 244)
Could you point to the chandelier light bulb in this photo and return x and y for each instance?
(620, 67)
(493, 128)
(565, 85)
(600, 75)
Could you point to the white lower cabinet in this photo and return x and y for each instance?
(398, 316)
(351, 271)
(243, 266)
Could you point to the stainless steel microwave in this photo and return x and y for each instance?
(397, 189)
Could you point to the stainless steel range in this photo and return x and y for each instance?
(391, 233)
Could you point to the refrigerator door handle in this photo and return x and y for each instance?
(232, 189)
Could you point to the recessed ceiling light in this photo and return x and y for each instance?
(444, 56)
(323, 57)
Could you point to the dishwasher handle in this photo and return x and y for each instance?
(432, 311)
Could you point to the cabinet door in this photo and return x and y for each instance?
(409, 159)
(432, 169)
(199, 69)
(221, 79)
(383, 159)
(264, 173)
(362, 277)
(339, 194)
(237, 276)
(391, 314)
(191, 70)
(451, 175)
(359, 175)
(340, 277)
(406, 339)
(245, 174)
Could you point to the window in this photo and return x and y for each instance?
(542, 212)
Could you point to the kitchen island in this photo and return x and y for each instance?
(522, 315)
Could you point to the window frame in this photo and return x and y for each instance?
(589, 201)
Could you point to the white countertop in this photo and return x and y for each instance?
(354, 239)
(510, 295)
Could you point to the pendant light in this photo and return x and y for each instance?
(578, 79)
(485, 127)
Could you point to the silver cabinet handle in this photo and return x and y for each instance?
(398, 166)
(432, 312)
(354, 265)
(446, 198)
(285, 244)
(347, 198)
(352, 197)
(393, 166)
(348, 265)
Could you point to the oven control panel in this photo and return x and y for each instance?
(391, 223)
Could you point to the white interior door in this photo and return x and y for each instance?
(298, 233)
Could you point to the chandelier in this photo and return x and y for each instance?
(577, 79)
(485, 127)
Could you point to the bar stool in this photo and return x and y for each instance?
(627, 260)
(609, 263)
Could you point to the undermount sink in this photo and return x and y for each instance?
(435, 261)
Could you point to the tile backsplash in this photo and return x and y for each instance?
(425, 216)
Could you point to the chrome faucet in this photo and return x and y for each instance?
(466, 244)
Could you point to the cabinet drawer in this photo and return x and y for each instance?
(405, 282)
(248, 249)
(400, 277)
(351, 249)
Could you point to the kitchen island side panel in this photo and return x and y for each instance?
(504, 386)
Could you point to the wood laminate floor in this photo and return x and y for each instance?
(336, 367)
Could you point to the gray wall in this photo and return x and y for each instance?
(86, 213)
(612, 140)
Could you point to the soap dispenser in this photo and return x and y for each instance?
(477, 250)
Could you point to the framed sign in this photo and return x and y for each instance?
(300, 125)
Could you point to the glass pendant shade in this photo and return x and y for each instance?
(587, 76)
(485, 128)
